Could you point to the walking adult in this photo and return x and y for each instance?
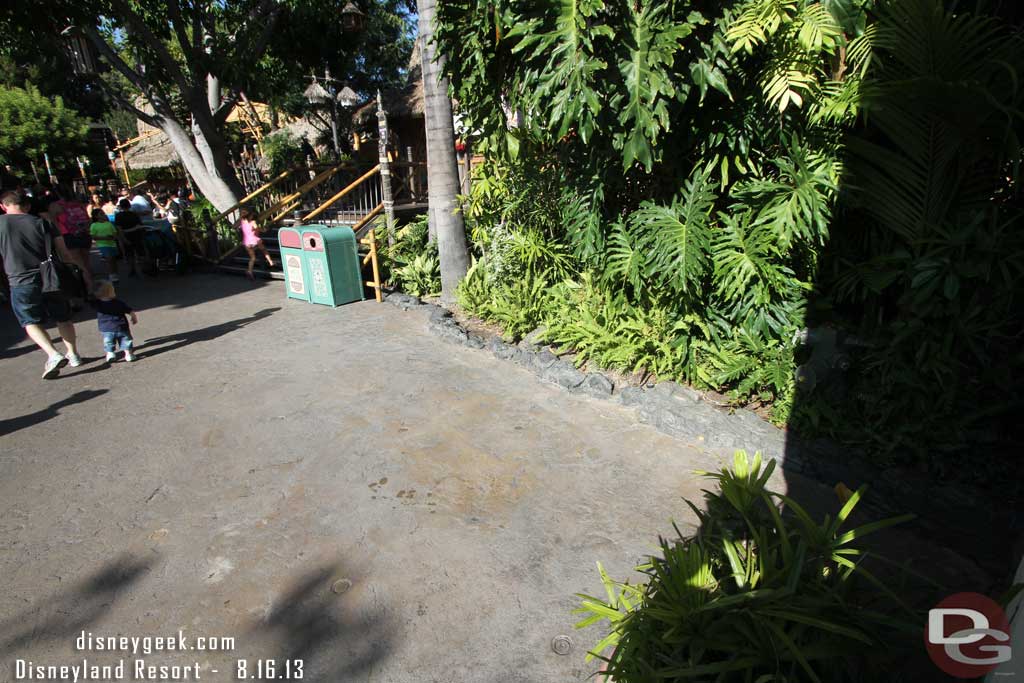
(72, 218)
(23, 246)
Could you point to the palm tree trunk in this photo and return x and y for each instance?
(446, 223)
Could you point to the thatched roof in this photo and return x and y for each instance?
(155, 151)
(399, 103)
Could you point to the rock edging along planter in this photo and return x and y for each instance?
(671, 408)
(680, 411)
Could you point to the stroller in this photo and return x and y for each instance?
(163, 249)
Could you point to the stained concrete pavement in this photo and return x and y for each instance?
(338, 487)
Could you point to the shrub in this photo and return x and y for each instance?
(761, 593)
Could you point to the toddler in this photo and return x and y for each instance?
(112, 317)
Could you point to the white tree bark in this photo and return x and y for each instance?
(213, 186)
(446, 224)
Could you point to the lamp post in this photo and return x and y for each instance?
(317, 94)
(352, 19)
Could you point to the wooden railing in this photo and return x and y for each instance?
(273, 182)
(345, 192)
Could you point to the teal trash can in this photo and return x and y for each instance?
(293, 263)
(332, 265)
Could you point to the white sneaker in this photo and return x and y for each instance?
(74, 360)
(128, 356)
(53, 366)
(111, 356)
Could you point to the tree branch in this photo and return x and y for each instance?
(227, 105)
(173, 68)
(115, 59)
(151, 119)
(187, 47)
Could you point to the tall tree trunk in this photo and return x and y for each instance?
(442, 165)
(217, 185)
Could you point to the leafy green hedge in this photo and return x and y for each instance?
(691, 184)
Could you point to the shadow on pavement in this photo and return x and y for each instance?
(177, 341)
(314, 624)
(69, 612)
(9, 426)
(146, 293)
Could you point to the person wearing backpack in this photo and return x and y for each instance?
(72, 218)
(24, 239)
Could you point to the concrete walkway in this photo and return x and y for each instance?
(333, 486)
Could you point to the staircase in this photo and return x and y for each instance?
(237, 262)
(335, 196)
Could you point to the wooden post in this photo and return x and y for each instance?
(124, 162)
(385, 171)
(371, 235)
(49, 169)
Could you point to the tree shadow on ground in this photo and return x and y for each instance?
(909, 375)
(336, 641)
(69, 612)
(173, 290)
(11, 425)
(173, 342)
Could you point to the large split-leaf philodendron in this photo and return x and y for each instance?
(742, 170)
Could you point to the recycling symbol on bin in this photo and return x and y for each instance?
(319, 280)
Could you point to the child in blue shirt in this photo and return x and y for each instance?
(112, 317)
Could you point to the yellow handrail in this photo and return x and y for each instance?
(351, 186)
(368, 217)
(255, 193)
(289, 200)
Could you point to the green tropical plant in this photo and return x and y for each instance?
(411, 263)
(749, 168)
(762, 592)
(31, 125)
(283, 149)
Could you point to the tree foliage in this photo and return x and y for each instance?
(758, 166)
(31, 125)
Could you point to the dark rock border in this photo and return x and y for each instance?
(671, 408)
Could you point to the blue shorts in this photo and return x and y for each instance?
(32, 307)
(108, 252)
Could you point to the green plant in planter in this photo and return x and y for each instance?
(421, 275)
(759, 595)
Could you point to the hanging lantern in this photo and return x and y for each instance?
(316, 94)
(347, 97)
(352, 19)
(79, 52)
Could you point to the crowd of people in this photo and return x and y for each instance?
(41, 223)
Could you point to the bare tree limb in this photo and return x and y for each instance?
(115, 60)
(227, 105)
